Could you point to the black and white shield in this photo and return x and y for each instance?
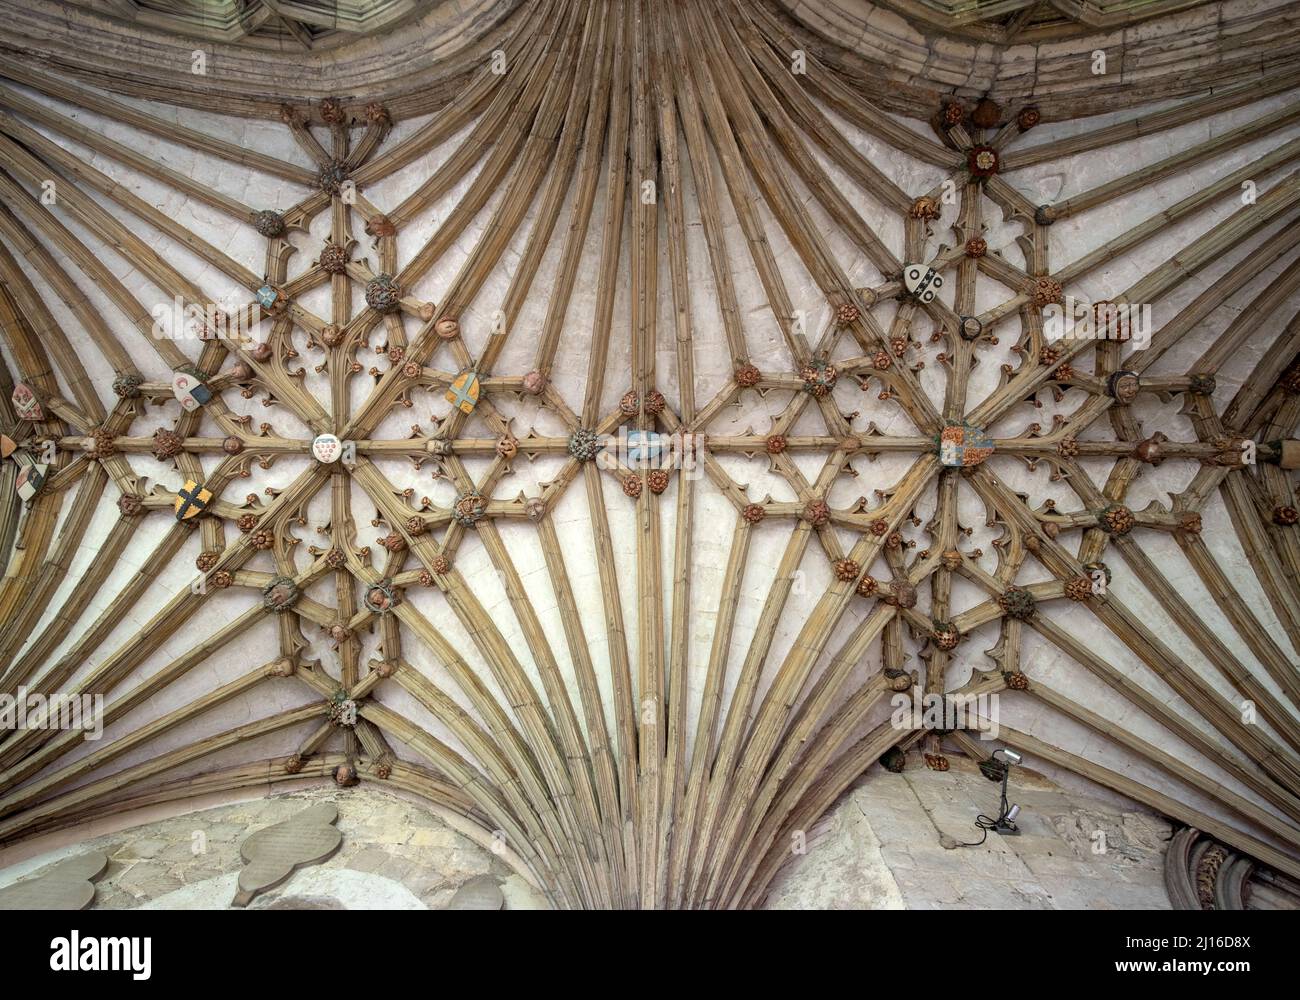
(922, 281)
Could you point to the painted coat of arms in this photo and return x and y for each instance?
(326, 448)
(963, 446)
(463, 394)
(922, 281)
(191, 501)
(270, 298)
(26, 403)
(190, 391)
(31, 477)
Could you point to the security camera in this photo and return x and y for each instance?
(1010, 756)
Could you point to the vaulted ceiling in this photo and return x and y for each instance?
(269, 24)
(601, 221)
(1009, 22)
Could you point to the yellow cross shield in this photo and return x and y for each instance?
(191, 501)
(463, 393)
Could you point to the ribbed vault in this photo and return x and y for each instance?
(643, 218)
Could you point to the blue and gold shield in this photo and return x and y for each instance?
(963, 446)
(463, 394)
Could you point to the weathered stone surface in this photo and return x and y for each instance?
(64, 885)
(881, 847)
(394, 854)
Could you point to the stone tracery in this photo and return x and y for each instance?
(612, 799)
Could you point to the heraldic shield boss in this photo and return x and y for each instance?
(31, 477)
(963, 446)
(326, 448)
(26, 403)
(922, 281)
(190, 391)
(191, 501)
(464, 392)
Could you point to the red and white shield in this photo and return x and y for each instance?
(190, 391)
(26, 405)
(326, 448)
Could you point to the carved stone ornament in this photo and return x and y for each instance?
(1017, 602)
(970, 327)
(817, 513)
(334, 259)
(982, 161)
(819, 378)
(946, 635)
(127, 386)
(987, 114)
(469, 508)
(332, 177)
(269, 224)
(280, 594)
(382, 294)
(534, 383)
(1047, 291)
(1078, 588)
(1123, 386)
(584, 444)
(1115, 519)
(926, 209)
(332, 112)
(381, 597)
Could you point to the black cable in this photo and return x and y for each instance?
(985, 824)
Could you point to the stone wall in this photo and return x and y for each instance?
(396, 854)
